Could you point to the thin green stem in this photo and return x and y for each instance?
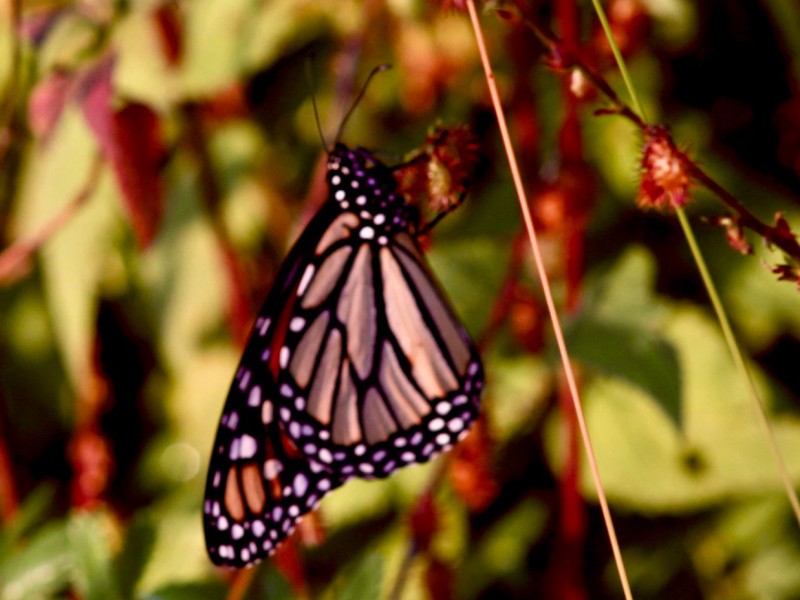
(719, 309)
(738, 359)
(623, 69)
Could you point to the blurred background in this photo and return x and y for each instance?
(157, 159)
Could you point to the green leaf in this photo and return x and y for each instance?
(76, 257)
(212, 590)
(648, 464)
(31, 512)
(92, 564)
(139, 542)
(468, 272)
(504, 548)
(271, 584)
(39, 570)
(362, 580)
(632, 353)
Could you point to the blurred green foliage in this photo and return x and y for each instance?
(687, 469)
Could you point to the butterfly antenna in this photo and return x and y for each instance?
(375, 71)
(310, 75)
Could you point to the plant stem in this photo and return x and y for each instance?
(719, 309)
(738, 359)
(557, 330)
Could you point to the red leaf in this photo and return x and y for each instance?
(47, 101)
(170, 32)
(439, 580)
(130, 139)
(136, 160)
(424, 521)
(470, 468)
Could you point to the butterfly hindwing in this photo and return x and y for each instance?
(259, 485)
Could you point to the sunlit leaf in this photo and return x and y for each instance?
(632, 353)
(90, 543)
(41, 569)
(73, 259)
(136, 552)
(190, 591)
(363, 580)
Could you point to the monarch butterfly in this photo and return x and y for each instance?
(356, 366)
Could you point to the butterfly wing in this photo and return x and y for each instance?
(356, 366)
(379, 373)
(258, 484)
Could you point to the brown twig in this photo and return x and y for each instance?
(13, 258)
(570, 56)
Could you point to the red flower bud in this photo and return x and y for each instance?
(665, 176)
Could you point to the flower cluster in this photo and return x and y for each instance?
(665, 178)
(438, 177)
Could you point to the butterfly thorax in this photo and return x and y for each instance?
(362, 185)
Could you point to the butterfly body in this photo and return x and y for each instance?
(356, 366)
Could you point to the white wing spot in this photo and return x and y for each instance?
(284, 357)
(233, 453)
(367, 233)
(245, 381)
(300, 485)
(248, 446)
(455, 425)
(266, 412)
(272, 467)
(254, 399)
(297, 323)
(258, 528)
(264, 327)
(308, 274)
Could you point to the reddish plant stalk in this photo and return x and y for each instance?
(566, 573)
(9, 499)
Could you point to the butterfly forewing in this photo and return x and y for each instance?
(381, 374)
(356, 366)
